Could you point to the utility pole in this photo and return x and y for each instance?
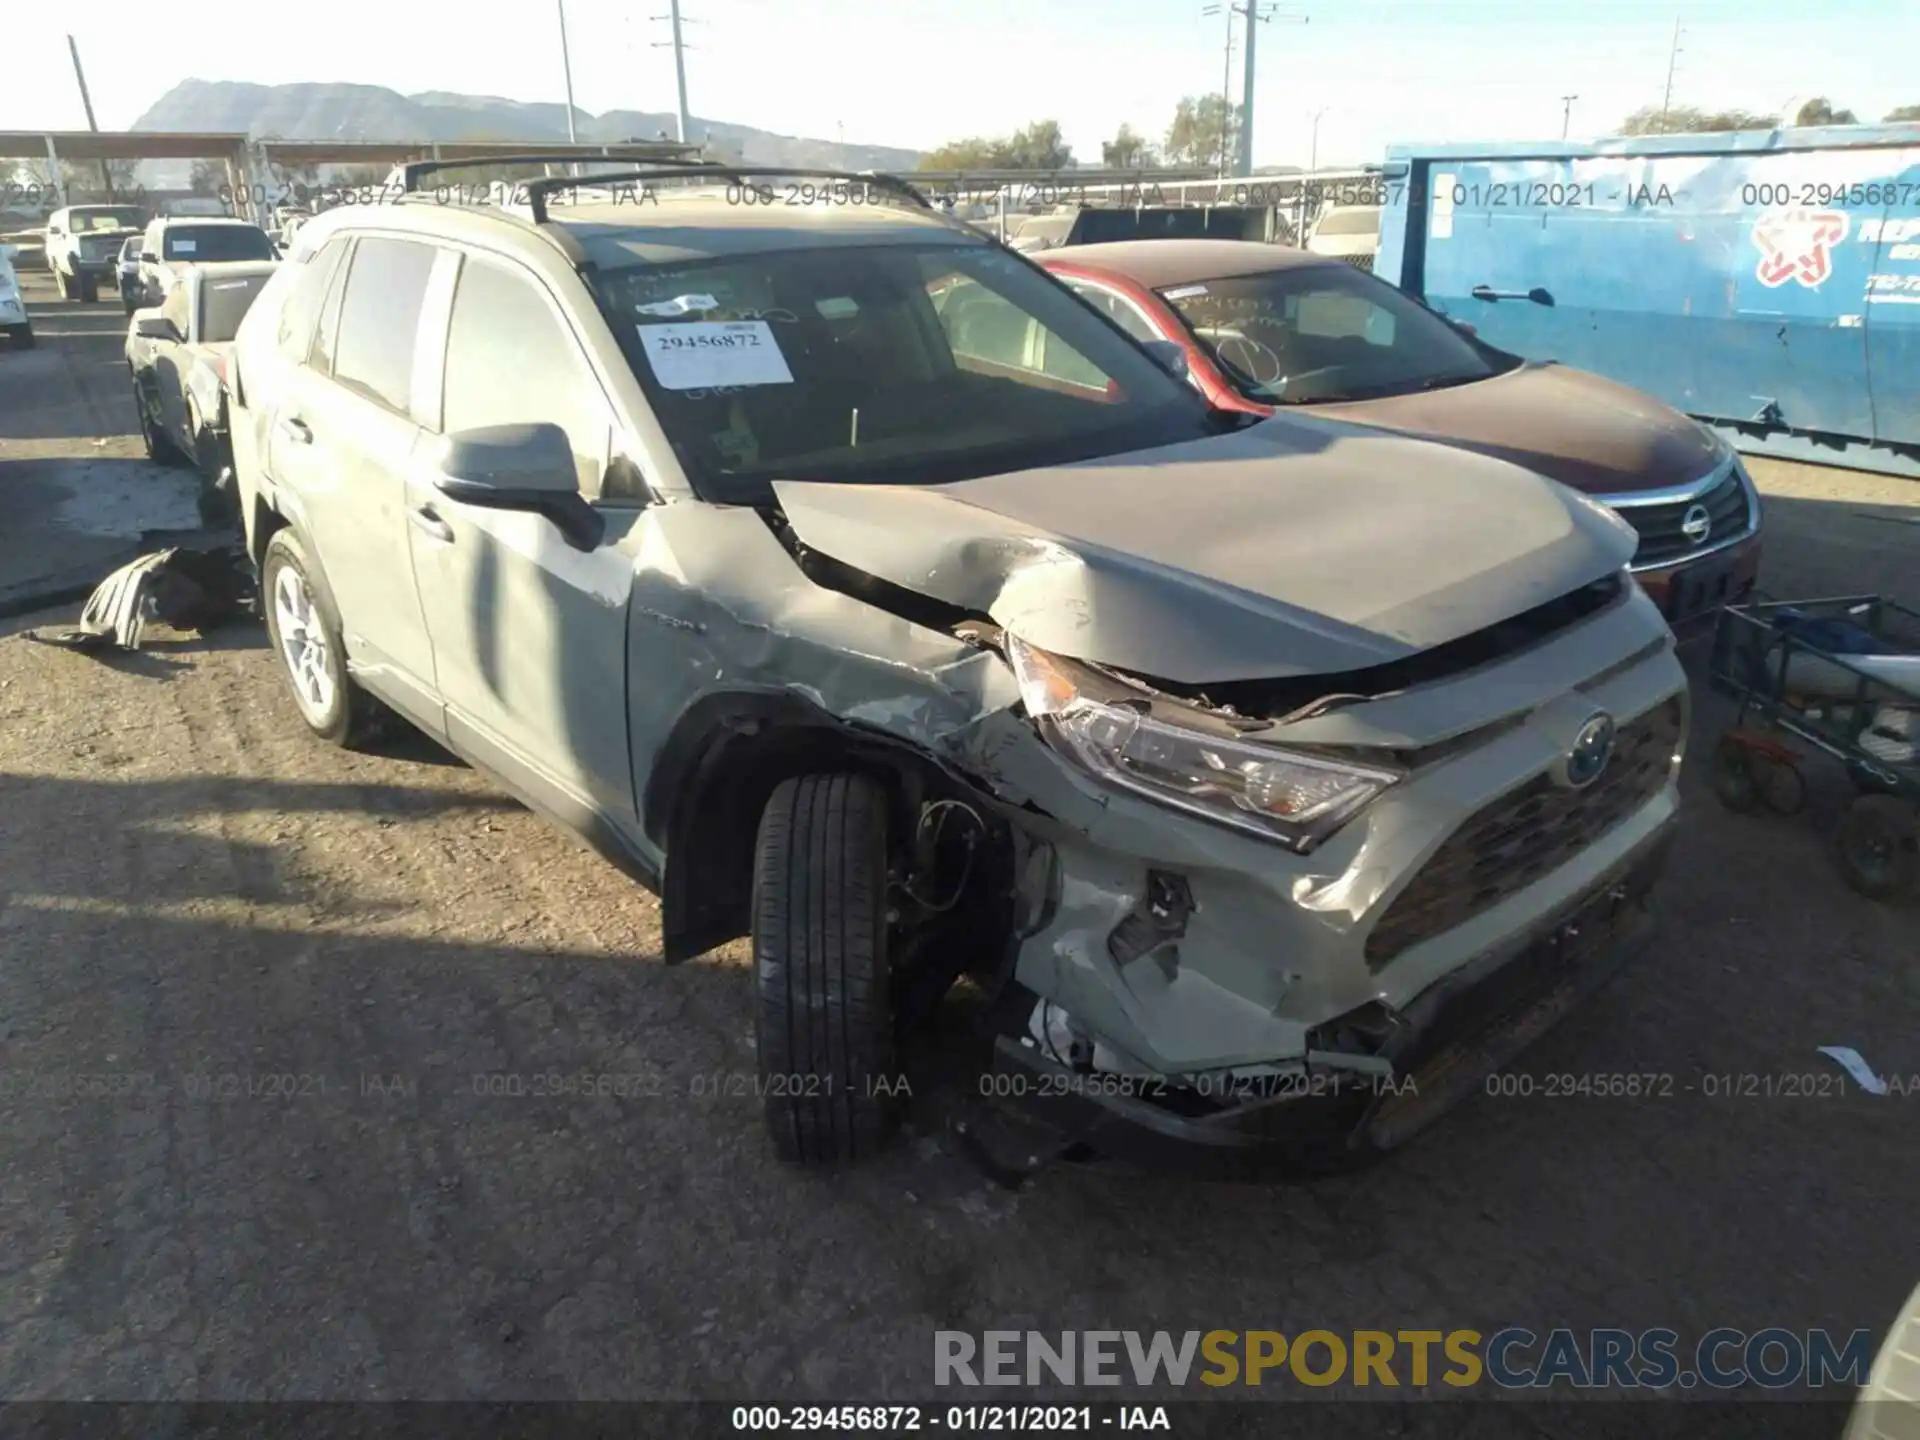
(86, 101)
(566, 66)
(1313, 149)
(1226, 82)
(679, 67)
(1566, 113)
(1257, 15)
(1673, 54)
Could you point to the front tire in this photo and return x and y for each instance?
(306, 636)
(68, 289)
(824, 1005)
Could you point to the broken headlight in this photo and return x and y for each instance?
(1285, 795)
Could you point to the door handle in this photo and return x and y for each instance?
(424, 519)
(1538, 295)
(296, 431)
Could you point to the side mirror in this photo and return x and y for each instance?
(1169, 355)
(148, 257)
(1462, 326)
(154, 327)
(521, 467)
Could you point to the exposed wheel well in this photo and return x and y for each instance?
(712, 782)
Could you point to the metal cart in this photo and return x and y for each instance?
(1843, 675)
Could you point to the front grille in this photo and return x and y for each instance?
(1661, 539)
(1361, 262)
(1525, 835)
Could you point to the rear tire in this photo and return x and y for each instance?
(89, 289)
(68, 290)
(824, 1011)
(313, 657)
(1878, 845)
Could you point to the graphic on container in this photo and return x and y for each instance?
(1798, 245)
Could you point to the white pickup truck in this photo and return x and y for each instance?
(83, 245)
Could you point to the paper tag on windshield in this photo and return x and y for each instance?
(704, 354)
(1185, 292)
(680, 305)
(184, 247)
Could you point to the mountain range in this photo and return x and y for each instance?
(372, 112)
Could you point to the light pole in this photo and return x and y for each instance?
(1566, 113)
(566, 66)
(1313, 150)
(1226, 83)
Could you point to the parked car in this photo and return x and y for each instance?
(1266, 328)
(173, 246)
(83, 246)
(126, 273)
(15, 324)
(177, 356)
(29, 248)
(1347, 232)
(1261, 761)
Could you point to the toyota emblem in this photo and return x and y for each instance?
(1591, 750)
(1696, 524)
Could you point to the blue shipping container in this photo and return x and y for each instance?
(1768, 283)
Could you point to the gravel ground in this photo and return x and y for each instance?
(193, 889)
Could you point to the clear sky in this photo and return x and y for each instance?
(915, 73)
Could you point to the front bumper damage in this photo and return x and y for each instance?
(1340, 1109)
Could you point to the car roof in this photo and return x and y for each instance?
(703, 225)
(207, 220)
(1158, 264)
(667, 225)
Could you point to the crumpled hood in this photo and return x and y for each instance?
(1294, 547)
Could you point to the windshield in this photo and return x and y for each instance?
(106, 217)
(1319, 333)
(1364, 221)
(204, 243)
(224, 303)
(901, 364)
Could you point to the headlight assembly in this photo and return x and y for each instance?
(1285, 795)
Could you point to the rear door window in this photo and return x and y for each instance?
(301, 310)
(380, 320)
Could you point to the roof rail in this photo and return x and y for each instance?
(538, 190)
(413, 172)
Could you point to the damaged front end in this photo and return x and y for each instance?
(1258, 880)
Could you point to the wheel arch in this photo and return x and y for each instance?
(726, 755)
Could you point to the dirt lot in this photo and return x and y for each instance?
(193, 890)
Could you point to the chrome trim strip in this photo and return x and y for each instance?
(1693, 491)
(1673, 494)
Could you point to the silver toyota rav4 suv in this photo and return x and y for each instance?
(1281, 777)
